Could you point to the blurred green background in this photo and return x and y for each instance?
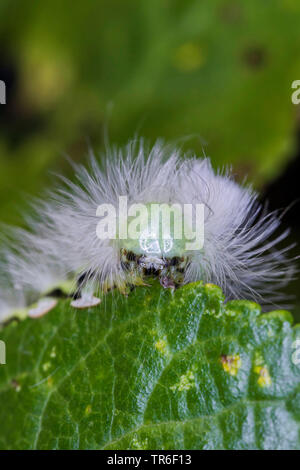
(216, 71)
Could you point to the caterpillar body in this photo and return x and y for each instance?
(240, 251)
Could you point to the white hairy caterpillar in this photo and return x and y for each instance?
(240, 251)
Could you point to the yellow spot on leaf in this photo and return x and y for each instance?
(137, 444)
(46, 366)
(186, 382)
(15, 384)
(231, 364)
(88, 410)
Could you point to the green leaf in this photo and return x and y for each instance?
(156, 370)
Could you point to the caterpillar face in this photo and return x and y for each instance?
(169, 270)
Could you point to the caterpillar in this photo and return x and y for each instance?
(61, 245)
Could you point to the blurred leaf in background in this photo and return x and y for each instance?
(219, 71)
